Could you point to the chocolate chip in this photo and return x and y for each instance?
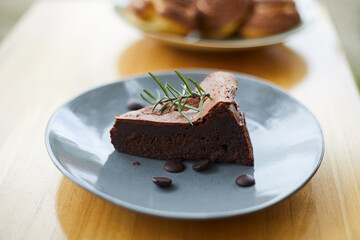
(136, 163)
(162, 181)
(200, 165)
(174, 166)
(134, 104)
(245, 180)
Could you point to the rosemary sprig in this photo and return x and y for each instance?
(177, 98)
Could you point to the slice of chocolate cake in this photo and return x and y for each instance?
(220, 136)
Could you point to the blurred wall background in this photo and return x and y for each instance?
(345, 14)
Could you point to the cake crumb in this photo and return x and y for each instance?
(136, 163)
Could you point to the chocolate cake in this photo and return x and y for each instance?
(221, 135)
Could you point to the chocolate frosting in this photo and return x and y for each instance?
(221, 86)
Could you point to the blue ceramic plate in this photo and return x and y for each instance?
(287, 140)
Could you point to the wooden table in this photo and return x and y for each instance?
(61, 48)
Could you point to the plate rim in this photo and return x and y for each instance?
(172, 214)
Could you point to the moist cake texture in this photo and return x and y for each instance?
(220, 136)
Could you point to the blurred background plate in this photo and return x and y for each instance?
(306, 8)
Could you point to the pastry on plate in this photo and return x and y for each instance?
(220, 19)
(175, 16)
(214, 19)
(270, 17)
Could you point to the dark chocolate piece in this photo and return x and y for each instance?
(220, 136)
(245, 180)
(174, 166)
(162, 181)
(134, 104)
(201, 165)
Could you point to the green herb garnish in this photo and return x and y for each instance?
(176, 97)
